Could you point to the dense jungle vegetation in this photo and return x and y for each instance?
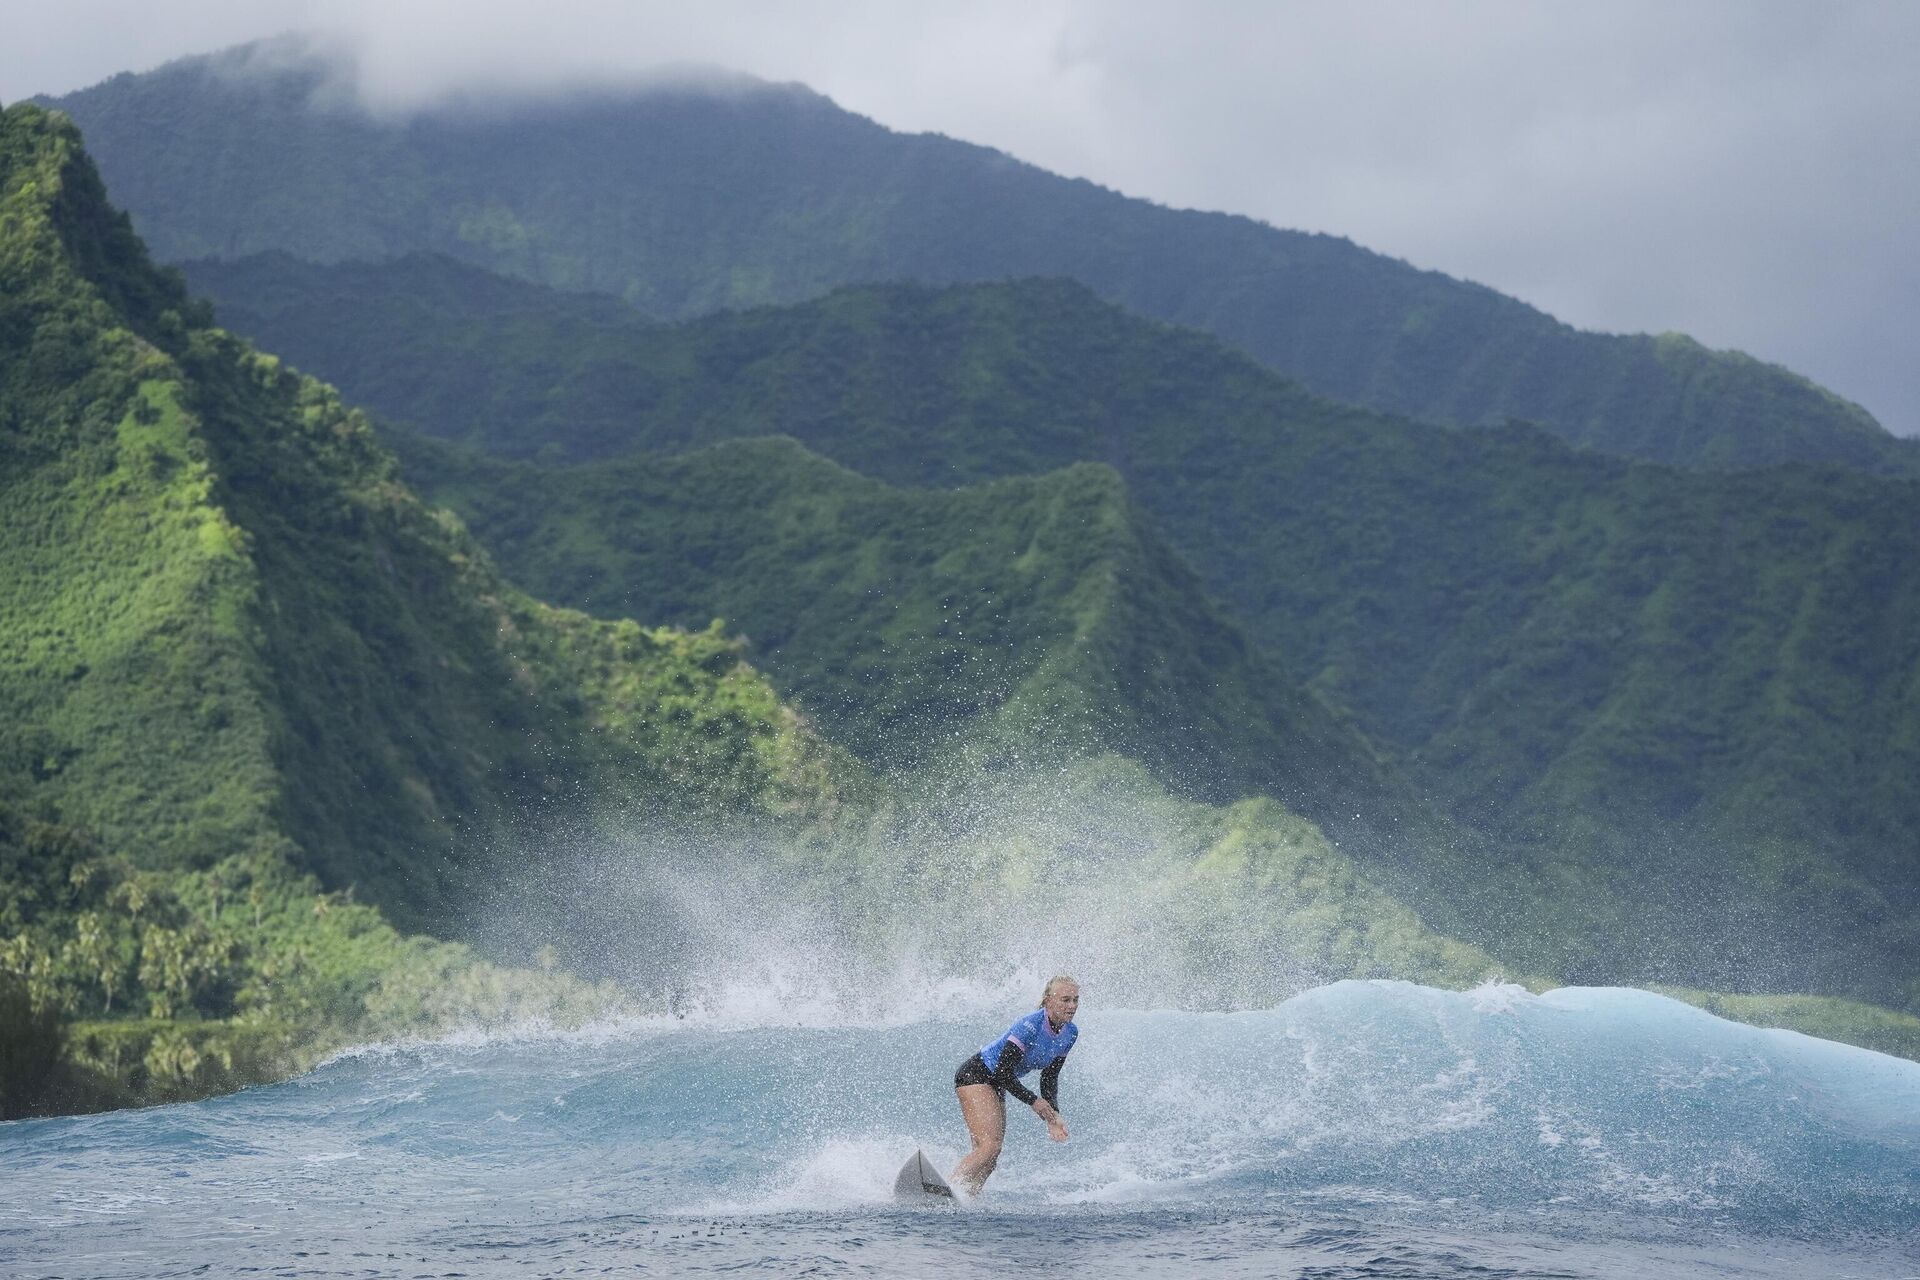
(1682, 702)
(270, 726)
(252, 690)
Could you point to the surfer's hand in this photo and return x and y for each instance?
(1056, 1127)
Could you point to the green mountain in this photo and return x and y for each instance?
(726, 193)
(1676, 699)
(257, 701)
(1030, 618)
(259, 705)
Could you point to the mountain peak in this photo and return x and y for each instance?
(61, 225)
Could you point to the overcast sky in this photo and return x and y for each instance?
(1744, 171)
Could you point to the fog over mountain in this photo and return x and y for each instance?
(1734, 171)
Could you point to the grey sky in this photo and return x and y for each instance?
(1745, 171)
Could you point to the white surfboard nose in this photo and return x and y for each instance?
(919, 1179)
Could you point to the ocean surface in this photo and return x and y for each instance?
(1361, 1129)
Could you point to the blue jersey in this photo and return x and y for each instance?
(1040, 1045)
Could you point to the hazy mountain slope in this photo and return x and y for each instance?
(1690, 684)
(687, 200)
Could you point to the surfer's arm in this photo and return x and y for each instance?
(1007, 1074)
(1050, 1082)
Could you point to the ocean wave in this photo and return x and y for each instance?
(1403, 1099)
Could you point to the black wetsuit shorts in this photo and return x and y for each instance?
(974, 1071)
(1007, 1079)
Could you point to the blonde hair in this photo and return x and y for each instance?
(1053, 982)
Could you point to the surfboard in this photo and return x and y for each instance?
(919, 1179)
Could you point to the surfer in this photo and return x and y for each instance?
(1037, 1042)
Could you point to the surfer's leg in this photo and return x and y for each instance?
(985, 1110)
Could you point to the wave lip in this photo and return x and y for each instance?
(1595, 1096)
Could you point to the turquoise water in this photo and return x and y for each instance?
(1356, 1130)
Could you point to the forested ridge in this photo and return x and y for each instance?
(888, 527)
(1034, 615)
(1673, 697)
(272, 729)
(258, 705)
(723, 192)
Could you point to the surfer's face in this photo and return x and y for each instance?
(1061, 1004)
